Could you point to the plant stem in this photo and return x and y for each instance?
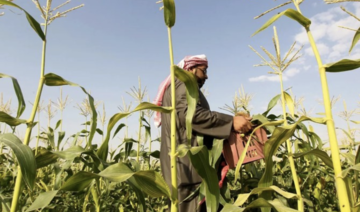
(38, 137)
(139, 137)
(335, 155)
(174, 190)
(290, 156)
(17, 187)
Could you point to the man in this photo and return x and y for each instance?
(209, 124)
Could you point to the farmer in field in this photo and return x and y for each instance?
(209, 124)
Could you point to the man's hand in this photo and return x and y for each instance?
(242, 124)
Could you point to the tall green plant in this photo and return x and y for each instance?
(343, 65)
(169, 17)
(138, 94)
(48, 18)
(279, 65)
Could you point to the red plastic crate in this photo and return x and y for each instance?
(235, 144)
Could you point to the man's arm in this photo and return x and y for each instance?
(205, 121)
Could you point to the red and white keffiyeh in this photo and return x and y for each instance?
(186, 63)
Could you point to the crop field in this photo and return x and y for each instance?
(46, 168)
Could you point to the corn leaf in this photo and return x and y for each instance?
(348, 135)
(33, 23)
(290, 103)
(79, 181)
(293, 14)
(9, 120)
(42, 200)
(272, 104)
(140, 195)
(103, 150)
(19, 95)
(152, 183)
(350, 157)
(199, 157)
(260, 202)
(61, 136)
(155, 154)
(50, 136)
(118, 129)
(44, 158)
(148, 181)
(52, 79)
(342, 65)
(355, 122)
(346, 171)
(357, 157)
(119, 172)
(169, 13)
(192, 96)
(216, 151)
(241, 199)
(355, 39)
(71, 153)
(318, 153)
(280, 135)
(24, 156)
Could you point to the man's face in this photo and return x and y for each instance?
(201, 74)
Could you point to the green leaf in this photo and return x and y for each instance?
(346, 171)
(293, 14)
(119, 172)
(9, 120)
(241, 199)
(118, 129)
(260, 202)
(58, 123)
(199, 158)
(350, 157)
(155, 154)
(61, 136)
(192, 96)
(24, 156)
(216, 151)
(19, 95)
(169, 12)
(318, 153)
(99, 131)
(342, 65)
(52, 79)
(50, 136)
(273, 102)
(348, 135)
(44, 158)
(152, 183)
(79, 181)
(33, 23)
(280, 135)
(357, 157)
(71, 153)
(355, 39)
(290, 103)
(140, 195)
(42, 200)
(355, 122)
(262, 119)
(103, 150)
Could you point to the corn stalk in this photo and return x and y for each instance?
(17, 188)
(340, 183)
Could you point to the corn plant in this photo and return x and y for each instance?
(343, 65)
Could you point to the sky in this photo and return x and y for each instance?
(107, 46)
